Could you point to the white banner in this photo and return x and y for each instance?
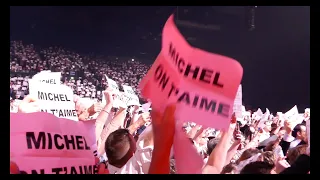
(48, 77)
(237, 105)
(115, 88)
(54, 99)
(133, 99)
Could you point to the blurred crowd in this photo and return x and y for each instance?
(84, 74)
(131, 141)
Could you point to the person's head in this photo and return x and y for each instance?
(300, 132)
(271, 146)
(248, 154)
(212, 144)
(295, 152)
(248, 132)
(267, 127)
(281, 132)
(229, 169)
(257, 167)
(268, 157)
(120, 147)
(273, 128)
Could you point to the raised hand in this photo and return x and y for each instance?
(28, 105)
(163, 126)
(97, 107)
(109, 95)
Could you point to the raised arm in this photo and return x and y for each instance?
(103, 115)
(192, 134)
(276, 131)
(135, 115)
(113, 125)
(234, 147)
(142, 119)
(287, 138)
(217, 158)
(163, 127)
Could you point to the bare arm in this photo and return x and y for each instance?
(163, 127)
(192, 133)
(217, 158)
(253, 143)
(160, 161)
(143, 118)
(197, 138)
(113, 125)
(277, 130)
(101, 120)
(232, 151)
(135, 115)
(136, 125)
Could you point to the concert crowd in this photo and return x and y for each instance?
(130, 141)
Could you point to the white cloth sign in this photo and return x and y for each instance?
(54, 99)
(293, 116)
(48, 77)
(123, 99)
(264, 119)
(292, 113)
(132, 98)
(87, 102)
(112, 84)
(237, 105)
(115, 88)
(258, 114)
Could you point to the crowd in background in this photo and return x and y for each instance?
(84, 74)
(275, 146)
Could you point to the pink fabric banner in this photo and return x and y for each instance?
(43, 143)
(203, 86)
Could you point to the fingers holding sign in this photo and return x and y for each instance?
(14, 169)
(163, 126)
(102, 167)
(145, 117)
(96, 107)
(233, 123)
(79, 106)
(109, 95)
(29, 105)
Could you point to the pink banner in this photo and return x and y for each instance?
(202, 84)
(56, 165)
(42, 143)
